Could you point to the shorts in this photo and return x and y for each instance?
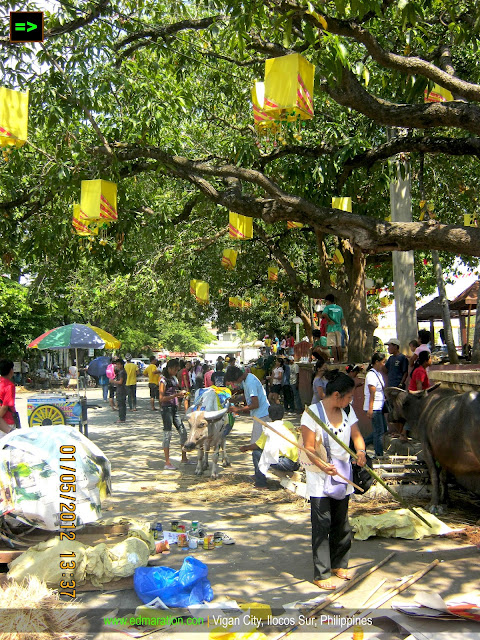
(154, 390)
(334, 339)
(111, 390)
(276, 388)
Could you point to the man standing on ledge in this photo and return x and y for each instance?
(334, 316)
(256, 403)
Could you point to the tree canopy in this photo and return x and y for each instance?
(155, 96)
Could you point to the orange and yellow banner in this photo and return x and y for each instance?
(294, 225)
(98, 200)
(240, 227)
(272, 274)
(338, 257)
(13, 117)
(202, 291)
(289, 87)
(437, 94)
(344, 204)
(229, 259)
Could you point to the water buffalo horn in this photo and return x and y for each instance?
(211, 416)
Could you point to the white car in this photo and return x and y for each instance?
(140, 364)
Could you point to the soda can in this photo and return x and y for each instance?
(194, 525)
(182, 541)
(174, 525)
(181, 528)
(208, 542)
(159, 527)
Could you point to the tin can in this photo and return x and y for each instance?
(193, 543)
(181, 528)
(174, 525)
(208, 542)
(217, 539)
(159, 527)
(182, 541)
(194, 525)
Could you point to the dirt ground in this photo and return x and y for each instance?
(271, 560)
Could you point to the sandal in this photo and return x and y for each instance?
(326, 585)
(343, 574)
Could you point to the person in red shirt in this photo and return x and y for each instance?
(7, 397)
(419, 380)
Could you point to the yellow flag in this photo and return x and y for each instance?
(13, 117)
(240, 227)
(202, 292)
(344, 204)
(294, 225)
(99, 200)
(338, 257)
(469, 220)
(229, 259)
(289, 87)
(437, 94)
(272, 274)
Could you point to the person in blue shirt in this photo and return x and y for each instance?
(256, 402)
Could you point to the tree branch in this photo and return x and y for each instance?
(350, 93)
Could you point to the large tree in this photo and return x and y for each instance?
(156, 97)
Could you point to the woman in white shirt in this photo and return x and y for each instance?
(331, 532)
(374, 399)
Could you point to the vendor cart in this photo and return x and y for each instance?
(58, 408)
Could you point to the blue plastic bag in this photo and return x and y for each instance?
(181, 588)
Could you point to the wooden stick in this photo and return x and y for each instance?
(295, 444)
(329, 599)
(381, 583)
(388, 595)
(369, 470)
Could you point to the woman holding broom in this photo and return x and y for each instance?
(331, 533)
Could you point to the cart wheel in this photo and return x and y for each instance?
(46, 414)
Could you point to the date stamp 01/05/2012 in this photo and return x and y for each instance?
(68, 487)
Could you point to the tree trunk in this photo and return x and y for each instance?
(447, 323)
(476, 337)
(354, 303)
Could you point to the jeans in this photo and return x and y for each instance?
(296, 397)
(283, 464)
(171, 417)
(331, 535)
(132, 396)
(379, 426)
(105, 392)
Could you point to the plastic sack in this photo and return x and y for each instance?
(181, 588)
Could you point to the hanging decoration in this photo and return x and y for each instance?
(337, 257)
(201, 291)
(99, 200)
(229, 259)
(238, 303)
(294, 225)
(272, 274)
(285, 98)
(263, 298)
(470, 220)
(427, 207)
(372, 292)
(238, 326)
(437, 94)
(285, 307)
(344, 204)
(13, 119)
(240, 227)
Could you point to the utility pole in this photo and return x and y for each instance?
(403, 261)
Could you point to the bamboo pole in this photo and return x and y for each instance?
(370, 471)
(329, 599)
(295, 444)
(388, 595)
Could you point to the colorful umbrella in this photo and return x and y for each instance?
(75, 336)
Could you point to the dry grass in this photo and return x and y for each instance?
(234, 487)
(32, 611)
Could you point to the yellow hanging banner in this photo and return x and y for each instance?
(229, 259)
(337, 257)
(344, 204)
(285, 307)
(82, 227)
(202, 291)
(238, 326)
(263, 121)
(272, 274)
(193, 286)
(294, 225)
(99, 200)
(289, 87)
(234, 302)
(13, 117)
(470, 220)
(240, 227)
(437, 94)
